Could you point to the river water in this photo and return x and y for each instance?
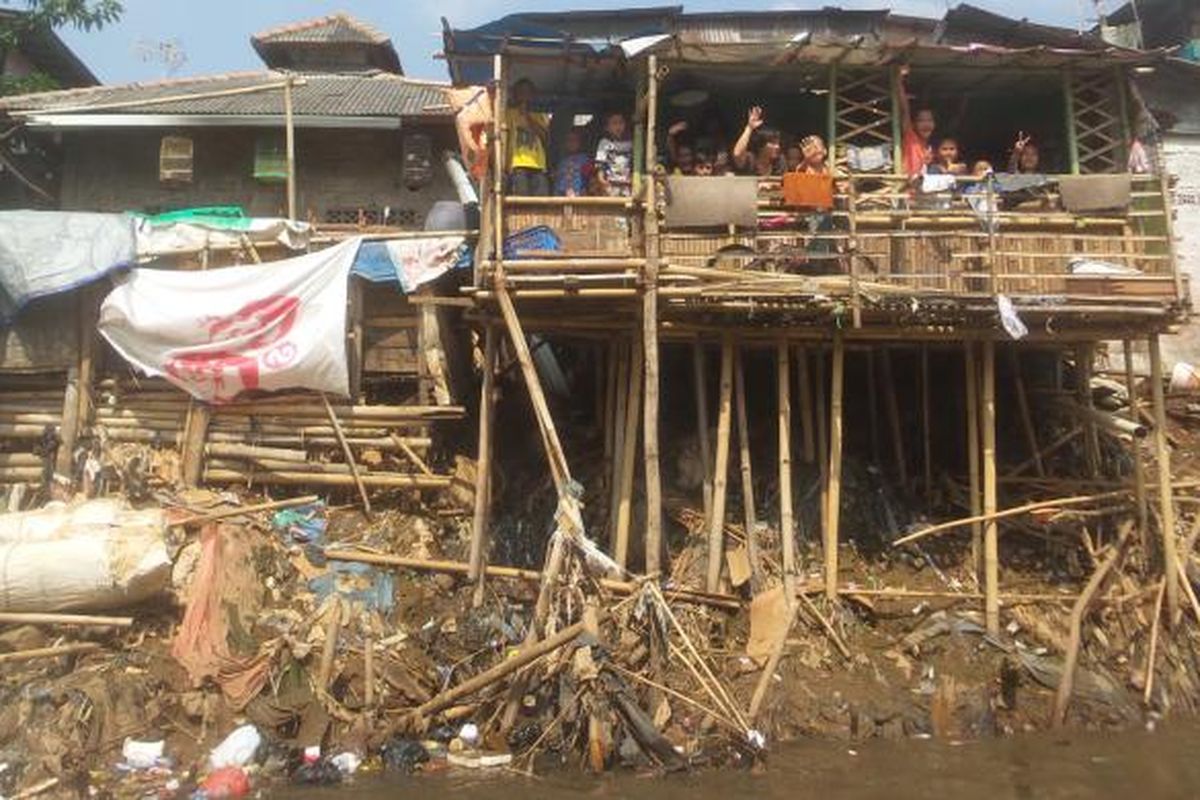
(1137, 765)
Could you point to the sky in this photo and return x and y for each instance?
(175, 38)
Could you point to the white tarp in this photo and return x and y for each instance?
(220, 332)
(157, 239)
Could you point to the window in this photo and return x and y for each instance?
(175, 159)
(270, 159)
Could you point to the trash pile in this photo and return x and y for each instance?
(206, 644)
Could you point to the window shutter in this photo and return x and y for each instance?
(175, 159)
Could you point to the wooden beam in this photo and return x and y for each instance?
(751, 521)
(837, 382)
(716, 527)
(991, 566)
(787, 532)
(480, 521)
(1162, 451)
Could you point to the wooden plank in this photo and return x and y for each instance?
(716, 528)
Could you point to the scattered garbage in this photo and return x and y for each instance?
(143, 755)
(225, 783)
(322, 772)
(403, 755)
(237, 749)
(347, 763)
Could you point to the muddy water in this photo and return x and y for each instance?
(1134, 765)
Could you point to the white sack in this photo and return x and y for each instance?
(94, 556)
(219, 332)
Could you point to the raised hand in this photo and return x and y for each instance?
(677, 128)
(755, 118)
(1022, 141)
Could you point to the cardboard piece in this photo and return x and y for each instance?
(770, 618)
(738, 560)
(706, 201)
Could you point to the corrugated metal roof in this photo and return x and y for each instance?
(379, 94)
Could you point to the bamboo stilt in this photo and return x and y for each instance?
(619, 423)
(893, 414)
(1027, 425)
(806, 406)
(873, 408)
(743, 427)
(717, 522)
(1139, 471)
(1084, 356)
(926, 427)
(633, 407)
(971, 370)
(991, 564)
(786, 522)
(1170, 552)
(654, 540)
(822, 438)
(837, 382)
(480, 522)
(701, 382)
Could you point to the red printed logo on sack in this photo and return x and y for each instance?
(245, 343)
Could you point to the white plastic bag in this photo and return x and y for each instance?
(237, 749)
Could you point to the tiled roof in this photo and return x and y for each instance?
(334, 28)
(353, 95)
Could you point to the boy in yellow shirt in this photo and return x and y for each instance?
(527, 130)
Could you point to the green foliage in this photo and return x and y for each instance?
(86, 15)
(27, 84)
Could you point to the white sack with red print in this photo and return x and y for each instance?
(220, 332)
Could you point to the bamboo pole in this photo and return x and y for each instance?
(27, 618)
(837, 382)
(1084, 357)
(1027, 425)
(483, 469)
(349, 456)
(806, 406)
(622, 395)
(873, 408)
(290, 135)
(701, 383)
(629, 455)
(973, 442)
(786, 522)
(991, 565)
(926, 428)
(739, 390)
(69, 429)
(717, 522)
(650, 445)
(1170, 553)
(1139, 470)
(202, 517)
(374, 480)
(822, 437)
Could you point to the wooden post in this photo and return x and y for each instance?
(701, 381)
(1139, 472)
(991, 565)
(893, 413)
(971, 370)
(739, 390)
(356, 350)
(608, 355)
(787, 531)
(194, 433)
(1027, 426)
(483, 467)
(1162, 452)
(897, 123)
(716, 525)
(654, 540)
(806, 406)
(926, 427)
(69, 429)
(498, 165)
(837, 381)
(1084, 356)
(290, 135)
(628, 455)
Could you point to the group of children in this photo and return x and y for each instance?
(759, 150)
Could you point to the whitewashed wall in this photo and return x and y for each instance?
(1183, 160)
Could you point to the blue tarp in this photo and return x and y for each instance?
(46, 252)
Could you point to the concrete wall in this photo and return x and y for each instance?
(117, 170)
(1183, 161)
